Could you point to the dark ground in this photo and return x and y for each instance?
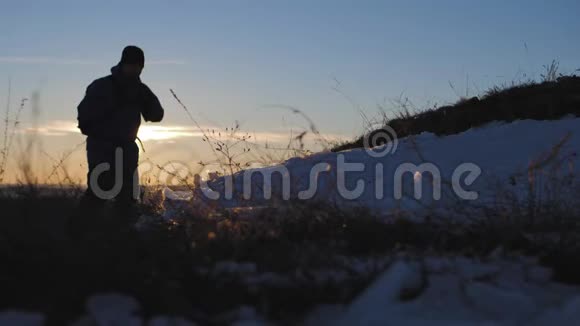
(44, 270)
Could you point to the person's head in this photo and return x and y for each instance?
(132, 61)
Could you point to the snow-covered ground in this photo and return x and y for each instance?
(106, 309)
(504, 152)
(431, 290)
(459, 291)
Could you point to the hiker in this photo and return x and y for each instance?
(110, 116)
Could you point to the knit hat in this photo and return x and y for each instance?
(133, 55)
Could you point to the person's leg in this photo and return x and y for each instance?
(126, 201)
(101, 176)
(92, 203)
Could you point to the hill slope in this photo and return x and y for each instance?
(509, 155)
(544, 101)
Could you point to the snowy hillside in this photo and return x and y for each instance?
(511, 156)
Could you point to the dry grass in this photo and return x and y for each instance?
(553, 98)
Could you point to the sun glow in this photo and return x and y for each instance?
(148, 132)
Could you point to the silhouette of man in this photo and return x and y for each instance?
(110, 116)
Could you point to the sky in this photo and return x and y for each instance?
(244, 61)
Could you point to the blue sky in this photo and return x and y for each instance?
(230, 60)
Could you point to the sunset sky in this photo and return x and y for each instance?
(240, 60)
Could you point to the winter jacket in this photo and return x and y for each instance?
(112, 107)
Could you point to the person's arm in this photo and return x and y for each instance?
(152, 110)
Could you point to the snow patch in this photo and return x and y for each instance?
(114, 309)
(21, 318)
(459, 291)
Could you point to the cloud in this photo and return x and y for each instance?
(65, 61)
(166, 133)
(53, 128)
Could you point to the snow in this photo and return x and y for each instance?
(169, 321)
(450, 296)
(177, 195)
(113, 309)
(21, 318)
(448, 290)
(385, 290)
(241, 316)
(108, 309)
(175, 202)
(503, 152)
